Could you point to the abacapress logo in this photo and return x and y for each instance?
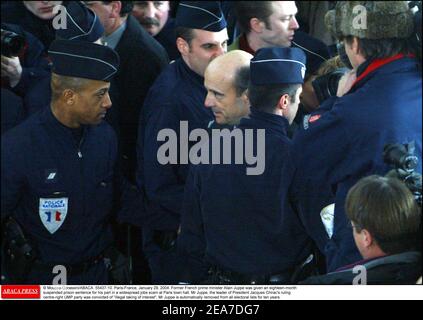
(20, 292)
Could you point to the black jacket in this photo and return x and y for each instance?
(403, 268)
(141, 60)
(15, 12)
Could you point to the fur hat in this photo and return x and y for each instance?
(370, 19)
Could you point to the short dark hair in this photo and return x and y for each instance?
(241, 80)
(127, 7)
(187, 34)
(60, 83)
(265, 98)
(382, 48)
(246, 10)
(387, 209)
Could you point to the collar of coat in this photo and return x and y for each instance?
(376, 64)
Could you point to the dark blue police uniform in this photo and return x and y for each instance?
(79, 176)
(240, 225)
(177, 95)
(82, 24)
(34, 85)
(346, 143)
(62, 195)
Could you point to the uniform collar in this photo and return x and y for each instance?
(189, 74)
(48, 118)
(266, 120)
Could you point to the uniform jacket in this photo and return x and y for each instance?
(346, 143)
(177, 95)
(59, 191)
(403, 268)
(244, 223)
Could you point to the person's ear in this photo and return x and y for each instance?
(69, 97)
(367, 238)
(116, 8)
(244, 98)
(283, 102)
(257, 25)
(355, 47)
(183, 46)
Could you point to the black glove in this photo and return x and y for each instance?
(165, 239)
(118, 266)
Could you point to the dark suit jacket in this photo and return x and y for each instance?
(141, 60)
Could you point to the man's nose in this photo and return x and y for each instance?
(150, 10)
(220, 50)
(209, 102)
(294, 25)
(107, 103)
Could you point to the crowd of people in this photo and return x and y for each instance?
(211, 142)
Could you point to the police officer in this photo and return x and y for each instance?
(82, 24)
(177, 95)
(378, 102)
(29, 74)
(62, 195)
(226, 80)
(240, 225)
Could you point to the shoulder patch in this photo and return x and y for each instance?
(314, 118)
(310, 119)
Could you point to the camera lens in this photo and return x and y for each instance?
(326, 86)
(410, 163)
(399, 156)
(11, 43)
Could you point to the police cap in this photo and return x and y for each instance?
(278, 65)
(83, 59)
(204, 15)
(81, 24)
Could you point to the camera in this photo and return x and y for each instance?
(326, 86)
(402, 158)
(12, 43)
